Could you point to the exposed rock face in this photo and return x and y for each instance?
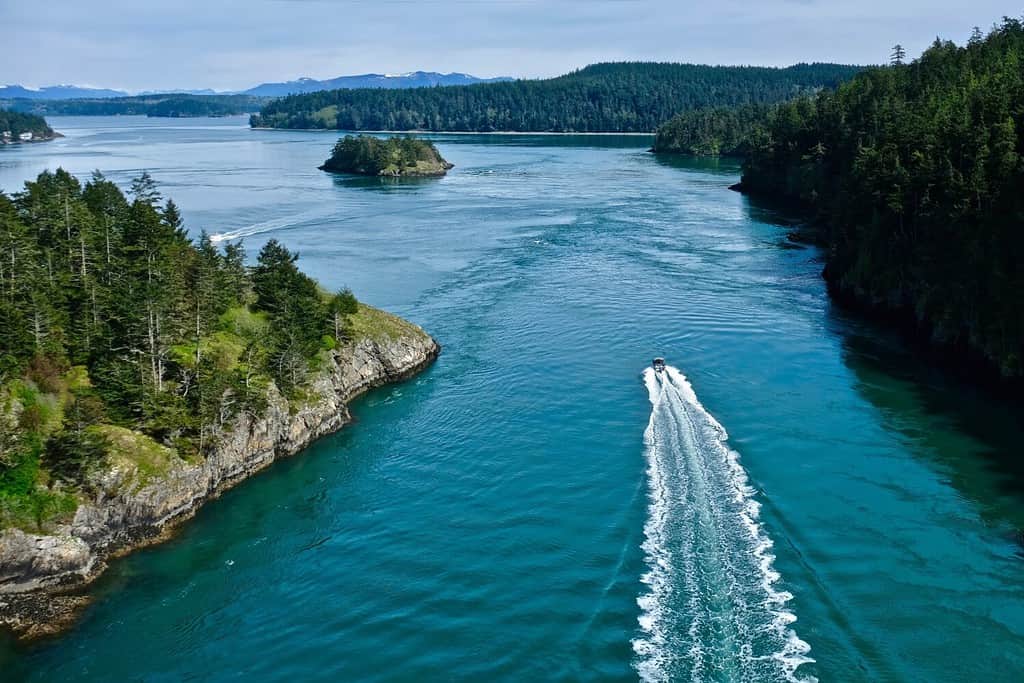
(39, 574)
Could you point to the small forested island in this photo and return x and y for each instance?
(142, 373)
(912, 176)
(16, 127)
(395, 156)
(611, 97)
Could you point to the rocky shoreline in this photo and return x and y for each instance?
(43, 577)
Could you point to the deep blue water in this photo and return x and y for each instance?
(503, 516)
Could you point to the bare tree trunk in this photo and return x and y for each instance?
(155, 362)
(159, 357)
(12, 271)
(67, 228)
(38, 329)
(152, 345)
(197, 334)
(106, 238)
(81, 242)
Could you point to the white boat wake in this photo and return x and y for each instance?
(711, 611)
(270, 225)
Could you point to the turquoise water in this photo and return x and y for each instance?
(533, 507)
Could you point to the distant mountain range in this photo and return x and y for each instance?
(178, 91)
(415, 79)
(55, 92)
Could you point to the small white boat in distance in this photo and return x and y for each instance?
(658, 364)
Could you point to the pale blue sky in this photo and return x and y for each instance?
(228, 44)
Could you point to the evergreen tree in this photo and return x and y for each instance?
(76, 449)
(342, 305)
(144, 190)
(235, 275)
(297, 312)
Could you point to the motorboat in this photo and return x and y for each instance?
(658, 364)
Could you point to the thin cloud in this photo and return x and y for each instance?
(234, 45)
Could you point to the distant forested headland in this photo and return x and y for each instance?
(612, 97)
(712, 131)
(913, 174)
(166, 105)
(19, 127)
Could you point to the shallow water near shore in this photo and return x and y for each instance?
(503, 516)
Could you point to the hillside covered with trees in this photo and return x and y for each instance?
(611, 97)
(121, 336)
(914, 172)
(714, 131)
(165, 105)
(395, 156)
(15, 124)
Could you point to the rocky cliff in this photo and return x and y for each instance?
(42, 576)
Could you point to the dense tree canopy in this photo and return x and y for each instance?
(616, 97)
(111, 317)
(718, 131)
(915, 171)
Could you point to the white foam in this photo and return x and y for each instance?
(264, 226)
(674, 572)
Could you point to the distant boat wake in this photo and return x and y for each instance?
(271, 225)
(710, 612)
(254, 229)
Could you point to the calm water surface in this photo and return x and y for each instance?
(530, 508)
